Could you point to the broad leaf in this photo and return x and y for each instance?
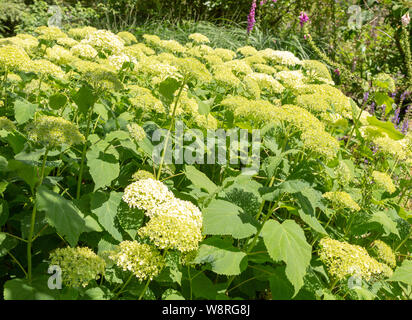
(224, 218)
(61, 214)
(105, 207)
(24, 111)
(286, 242)
(199, 179)
(222, 256)
(403, 273)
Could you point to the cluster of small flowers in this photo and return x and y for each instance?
(281, 57)
(104, 40)
(118, 60)
(174, 223)
(384, 181)
(143, 260)
(344, 259)
(127, 37)
(54, 131)
(85, 51)
(136, 132)
(384, 253)
(142, 175)
(50, 33)
(79, 265)
(199, 38)
(59, 55)
(342, 199)
(143, 98)
(12, 57)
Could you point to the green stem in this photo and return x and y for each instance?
(17, 262)
(33, 220)
(124, 286)
(79, 181)
(170, 129)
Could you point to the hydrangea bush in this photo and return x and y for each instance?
(326, 215)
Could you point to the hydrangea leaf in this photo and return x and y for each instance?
(200, 180)
(61, 214)
(388, 225)
(222, 256)
(224, 218)
(104, 165)
(403, 273)
(24, 111)
(105, 207)
(286, 242)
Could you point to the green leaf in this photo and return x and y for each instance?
(287, 242)
(403, 273)
(20, 289)
(6, 243)
(57, 101)
(203, 287)
(105, 207)
(280, 286)
(24, 111)
(103, 164)
(172, 294)
(61, 214)
(199, 179)
(168, 87)
(222, 256)
(84, 98)
(386, 127)
(388, 225)
(382, 98)
(224, 218)
(4, 211)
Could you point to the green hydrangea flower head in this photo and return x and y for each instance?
(79, 265)
(143, 260)
(54, 131)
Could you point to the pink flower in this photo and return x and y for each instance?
(406, 19)
(251, 18)
(303, 18)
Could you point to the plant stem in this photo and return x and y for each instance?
(170, 129)
(124, 286)
(33, 220)
(79, 181)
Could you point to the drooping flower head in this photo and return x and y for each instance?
(342, 199)
(384, 181)
(384, 253)
(78, 265)
(142, 175)
(143, 260)
(175, 224)
(54, 131)
(136, 132)
(344, 259)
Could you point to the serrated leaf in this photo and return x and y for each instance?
(84, 98)
(105, 206)
(6, 243)
(199, 179)
(403, 273)
(61, 214)
(386, 127)
(168, 87)
(20, 289)
(224, 218)
(388, 225)
(24, 111)
(103, 165)
(57, 101)
(222, 256)
(286, 242)
(172, 294)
